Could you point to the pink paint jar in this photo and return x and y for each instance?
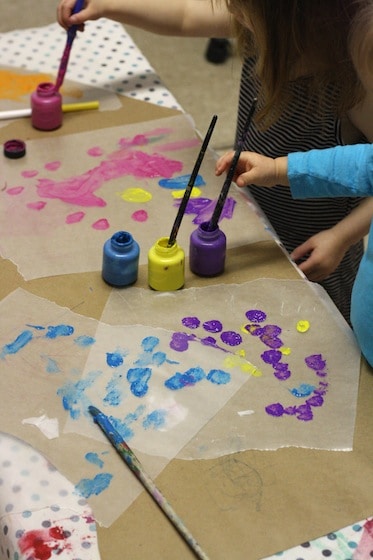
(46, 107)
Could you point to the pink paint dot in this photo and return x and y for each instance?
(101, 224)
(95, 152)
(75, 217)
(15, 190)
(30, 173)
(36, 205)
(53, 165)
(140, 216)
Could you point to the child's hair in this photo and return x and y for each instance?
(361, 41)
(298, 39)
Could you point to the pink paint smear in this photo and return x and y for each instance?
(80, 190)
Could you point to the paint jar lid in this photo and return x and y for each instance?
(14, 149)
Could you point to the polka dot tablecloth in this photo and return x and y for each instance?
(41, 515)
(103, 56)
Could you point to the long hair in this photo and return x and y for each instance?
(298, 39)
(361, 41)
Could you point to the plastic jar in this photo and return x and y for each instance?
(120, 263)
(46, 107)
(166, 266)
(207, 251)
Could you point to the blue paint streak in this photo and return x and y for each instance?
(20, 342)
(59, 330)
(155, 420)
(304, 390)
(94, 459)
(93, 487)
(181, 182)
(218, 377)
(187, 379)
(149, 343)
(72, 394)
(114, 393)
(37, 327)
(52, 365)
(84, 340)
(138, 379)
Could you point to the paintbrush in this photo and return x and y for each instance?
(135, 466)
(71, 32)
(192, 179)
(213, 224)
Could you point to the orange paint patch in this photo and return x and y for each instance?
(14, 85)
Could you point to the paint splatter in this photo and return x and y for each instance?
(42, 544)
(92, 457)
(14, 191)
(53, 165)
(39, 205)
(303, 326)
(180, 182)
(59, 330)
(20, 342)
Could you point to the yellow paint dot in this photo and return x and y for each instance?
(303, 326)
(135, 195)
(196, 192)
(285, 350)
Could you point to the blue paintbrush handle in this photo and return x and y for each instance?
(73, 29)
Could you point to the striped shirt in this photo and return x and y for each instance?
(305, 124)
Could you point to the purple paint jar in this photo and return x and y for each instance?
(207, 251)
(46, 107)
(120, 263)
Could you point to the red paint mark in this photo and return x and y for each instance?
(75, 217)
(30, 173)
(96, 151)
(15, 190)
(53, 165)
(80, 190)
(101, 224)
(36, 205)
(140, 216)
(365, 546)
(41, 544)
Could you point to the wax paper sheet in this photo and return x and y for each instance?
(69, 194)
(303, 389)
(55, 363)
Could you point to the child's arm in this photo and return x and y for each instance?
(339, 171)
(188, 18)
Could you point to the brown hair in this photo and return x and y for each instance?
(298, 39)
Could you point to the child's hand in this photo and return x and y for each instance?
(93, 9)
(322, 252)
(254, 169)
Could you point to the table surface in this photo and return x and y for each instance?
(246, 505)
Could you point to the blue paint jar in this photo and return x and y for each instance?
(120, 263)
(207, 250)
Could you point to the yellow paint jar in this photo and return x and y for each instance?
(166, 266)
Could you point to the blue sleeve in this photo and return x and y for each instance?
(339, 171)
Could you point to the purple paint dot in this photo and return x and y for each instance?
(315, 400)
(179, 342)
(208, 341)
(271, 341)
(254, 330)
(304, 412)
(256, 315)
(275, 409)
(315, 362)
(271, 356)
(213, 326)
(231, 338)
(281, 375)
(272, 330)
(191, 322)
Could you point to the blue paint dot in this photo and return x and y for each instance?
(84, 340)
(59, 330)
(114, 359)
(218, 377)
